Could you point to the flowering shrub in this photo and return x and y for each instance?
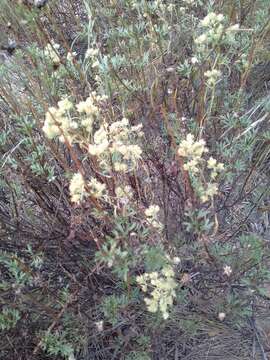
(133, 191)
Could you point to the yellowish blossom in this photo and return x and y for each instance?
(51, 53)
(162, 290)
(152, 216)
(152, 211)
(51, 127)
(209, 192)
(91, 52)
(58, 124)
(87, 123)
(64, 105)
(192, 150)
(212, 76)
(123, 191)
(97, 188)
(88, 106)
(77, 188)
(120, 167)
(101, 142)
(211, 163)
(212, 19)
(112, 142)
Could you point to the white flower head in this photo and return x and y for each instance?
(99, 325)
(152, 211)
(71, 56)
(176, 260)
(194, 60)
(97, 188)
(89, 106)
(120, 167)
(221, 316)
(212, 76)
(64, 105)
(200, 40)
(211, 163)
(227, 270)
(91, 52)
(212, 19)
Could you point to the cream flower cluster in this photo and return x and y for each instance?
(101, 142)
(211, 20)
(215, 30)
(212, 77)
(92, 54)
(164, 6)
(152, 211)
(123, 194)
(152, 216)
(215, 167)
(212, 188)
(51, 53)
(77, 188)
(90, 109)
(208, 193)
(193, 151)
(58, 123)
(112, 142)
(97, 188)
(162, 288)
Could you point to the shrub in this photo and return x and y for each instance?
(133, 175)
